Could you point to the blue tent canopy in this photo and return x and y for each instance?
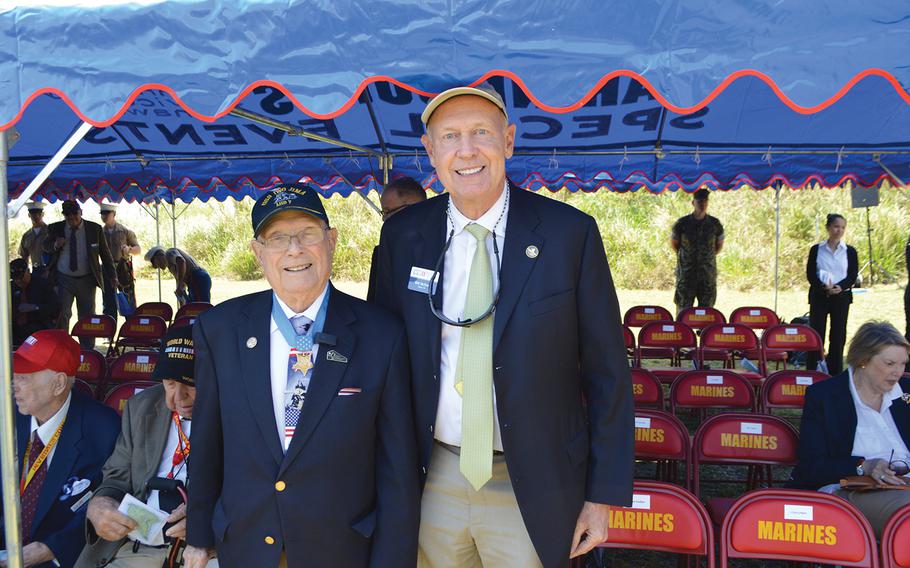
(616, 95)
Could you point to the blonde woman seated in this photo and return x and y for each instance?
(858, 423)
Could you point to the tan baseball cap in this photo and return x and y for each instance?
(483, 90)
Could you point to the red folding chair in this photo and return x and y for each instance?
(639, 316)
(705, 389)
(133, 366)
(759, 319)
(141, 332)
(660, 437)
(896, 540)
(797, 526)
(698, 319)
(787, 388)
(118, 396)
(755, 440)
(192, 309)
(628, 338)
(81, 386)
(92, 367)
(670, 338)
(183, 321)
(96, 326)
(790, 337)
(161, 309)
(737, 340)
(663, 518)
(647, 391)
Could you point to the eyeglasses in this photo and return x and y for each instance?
(899, 467)
(306, 237)
(431, 289)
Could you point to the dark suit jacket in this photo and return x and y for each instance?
(827, 429)
(86, 441)
(557, 341)
(40, 293)
(99, 255)
(145, 425)
(817, 288)
(351, 495)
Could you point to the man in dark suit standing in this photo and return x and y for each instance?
(80, 262)
(64, 438)
(522, 393)
(303, 439)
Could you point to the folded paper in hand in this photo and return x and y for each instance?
(149, 520)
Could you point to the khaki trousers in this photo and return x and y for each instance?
(876, 506)
(145, 557)
(463, 528)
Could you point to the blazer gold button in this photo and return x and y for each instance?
(269, 540)
(280, 486)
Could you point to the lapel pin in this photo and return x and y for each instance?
(336, 357)
(906, 398)
(532, 251)
(251, 342)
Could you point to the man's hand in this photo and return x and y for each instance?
(125, 249)
(109, 523)
(178, 517)
(196, 557)
(58, 244)
(590, 529)
(33, 554)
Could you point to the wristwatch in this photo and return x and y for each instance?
(859, 468)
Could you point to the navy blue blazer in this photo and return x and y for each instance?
(827, 429)
(557, 342)
(85, 443)
(349, 493)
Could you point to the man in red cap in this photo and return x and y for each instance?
(64, 438)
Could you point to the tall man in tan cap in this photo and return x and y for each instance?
(303, 439)
(123, 245)
(522, 392)
(31, 247)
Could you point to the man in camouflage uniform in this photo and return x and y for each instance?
(31, 247)
(123, 244)
(697, 238)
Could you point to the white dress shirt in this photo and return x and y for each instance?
(279, 349)
(455, 288)
(167, 458)
(46, 430)
(831, 266)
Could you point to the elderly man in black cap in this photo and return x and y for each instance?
(80, 262)
(35, 304)
(303, 437)
(149, 462)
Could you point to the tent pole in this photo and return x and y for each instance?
(48, 168)
(158, 242)
(173, 217)
(8, 460)
(777, 187)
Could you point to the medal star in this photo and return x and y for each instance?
(303, 363)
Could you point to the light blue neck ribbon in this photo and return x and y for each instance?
(287, 330)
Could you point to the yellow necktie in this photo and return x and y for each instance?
(474, 372)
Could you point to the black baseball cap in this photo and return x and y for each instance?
(71, 206)
(290, 197)
(18, 267)
(177, 357)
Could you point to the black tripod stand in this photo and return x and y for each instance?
(871, 264)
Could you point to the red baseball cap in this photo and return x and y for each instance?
(52, 349)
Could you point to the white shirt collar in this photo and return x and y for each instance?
(487, 220)
(46, 430)
(840, 246)
(895, 392)
(311, 312)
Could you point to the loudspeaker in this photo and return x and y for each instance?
(864, 197)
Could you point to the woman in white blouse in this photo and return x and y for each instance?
(858, 423)
(831, 270)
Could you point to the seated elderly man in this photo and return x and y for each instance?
(858, 423)
(149, 462)
(64, 437)
(35, 304)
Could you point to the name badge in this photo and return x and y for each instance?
(419, 281)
